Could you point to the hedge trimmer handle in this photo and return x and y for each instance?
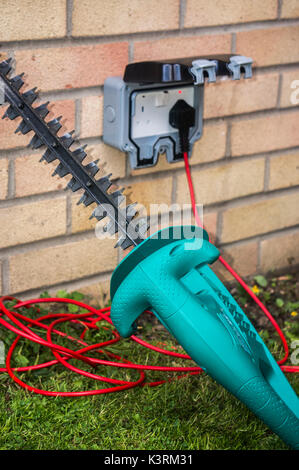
(176, 283)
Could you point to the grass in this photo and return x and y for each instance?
(190, 413)
(193, 413)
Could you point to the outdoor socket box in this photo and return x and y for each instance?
(136, 107)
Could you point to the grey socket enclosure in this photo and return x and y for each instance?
(136, 107)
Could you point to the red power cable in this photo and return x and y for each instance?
(238, 278)
(21, 326)
(62, 354)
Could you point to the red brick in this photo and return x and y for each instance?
(35, 221)
(91, 116)
(210, 223)
(3, 178)
(248, 220)
(99, 17)
(264, 134)
(284, 171)
(216, 12)
(81, 221)
(290, 9)
(280, 252)
(25, 19)
(270, 46)
(72, 67)
(33, 177)
(147, 193)
(8, 138)
(227, 97)
(182, 46)
(66, 109)
(112, 160)
(223, 181)
(243, 258)
(211, 146)
(66, 262)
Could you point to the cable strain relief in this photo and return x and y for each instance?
(184, 140)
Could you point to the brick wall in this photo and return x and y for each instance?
(245, 168)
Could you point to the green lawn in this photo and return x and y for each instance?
(190, 413)
(193, 413)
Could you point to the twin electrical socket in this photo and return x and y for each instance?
(136, 107)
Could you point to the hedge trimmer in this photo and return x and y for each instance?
(169, 274)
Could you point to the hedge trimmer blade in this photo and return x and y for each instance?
(70, 161)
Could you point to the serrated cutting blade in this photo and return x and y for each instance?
(70, 161)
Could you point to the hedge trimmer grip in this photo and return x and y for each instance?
(156, 283)
(185, 294)
(260, 397)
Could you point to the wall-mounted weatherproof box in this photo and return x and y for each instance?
(137, 106)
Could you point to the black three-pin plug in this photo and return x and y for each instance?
(182, 117)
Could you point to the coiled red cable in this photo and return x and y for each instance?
(62, 354)
(21, 325)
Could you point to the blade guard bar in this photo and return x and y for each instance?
(172, 278)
